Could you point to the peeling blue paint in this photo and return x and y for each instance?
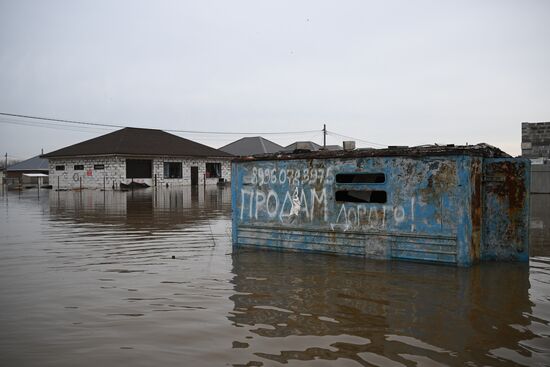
(436, 208)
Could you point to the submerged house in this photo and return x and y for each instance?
(251, 146)
(148, 156)
(28, 172)
(445, 204)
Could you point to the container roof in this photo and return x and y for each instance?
(32, 164)
(250, 146)
(478, 150)
(137, 141)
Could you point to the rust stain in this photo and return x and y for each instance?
(442, 178)
(476, 209)
(511, 192)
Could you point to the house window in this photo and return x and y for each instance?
(213, 170)
(78, 167)
(360, 178)
(139, 168)
(172, 170)
(99, 166)
(362, 196)
(60, 168)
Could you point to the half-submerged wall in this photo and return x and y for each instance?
(430, 208)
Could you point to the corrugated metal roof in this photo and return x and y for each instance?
(137, 141)
(250, 146)
(31, 164)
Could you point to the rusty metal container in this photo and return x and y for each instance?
(446, 204)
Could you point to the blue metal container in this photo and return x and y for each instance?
(455, 205)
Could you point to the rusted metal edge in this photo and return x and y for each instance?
(478, 150)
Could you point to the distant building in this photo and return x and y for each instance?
(535, 145)
(15, 174)
(309, 145)
(535, 141)
(251, 146)
(149, 156)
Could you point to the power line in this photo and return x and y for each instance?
(86, 126)
(169, 130)
(31, 122)
(355, 138)
(54, 125)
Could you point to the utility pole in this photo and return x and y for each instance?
(5, 178)
(324, 136)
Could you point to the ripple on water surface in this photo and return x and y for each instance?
(150, 278)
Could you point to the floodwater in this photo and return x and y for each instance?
(88, 279)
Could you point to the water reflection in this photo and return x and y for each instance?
(141, 208)
(150, 278)
(377, 312)
(540, 225)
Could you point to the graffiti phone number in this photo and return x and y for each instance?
(265, 176)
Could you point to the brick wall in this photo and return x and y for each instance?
(535, 140)
(114, 172)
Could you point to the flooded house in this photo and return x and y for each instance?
(133, 155)
(28, 173)
(446, 204)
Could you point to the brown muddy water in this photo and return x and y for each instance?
(87, 278)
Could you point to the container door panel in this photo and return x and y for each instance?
(505, 209)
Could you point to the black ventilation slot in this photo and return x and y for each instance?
(360, 178)
(364, 196)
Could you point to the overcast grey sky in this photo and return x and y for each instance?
(391, 72)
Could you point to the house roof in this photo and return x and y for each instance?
(250, 146)
(137, 141)
(311, 145)
(32, 164)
